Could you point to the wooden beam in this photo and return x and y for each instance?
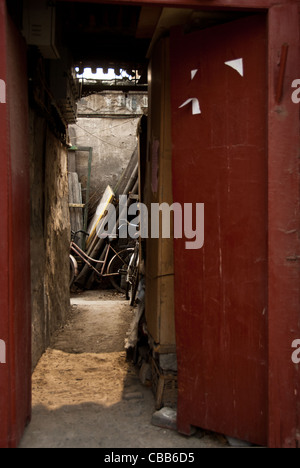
(148, 20)
(210, 4)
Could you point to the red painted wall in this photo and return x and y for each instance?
(15, 322)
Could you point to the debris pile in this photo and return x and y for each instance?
(96, 248)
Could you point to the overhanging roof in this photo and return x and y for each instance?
(99, 35)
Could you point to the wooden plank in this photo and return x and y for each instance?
(160, 263)
(95, 248)
(100, 215)
(120, 189)
(166, 246)
(75, 202)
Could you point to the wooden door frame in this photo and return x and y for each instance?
(15, 287)
(4, 239)
(283, 218)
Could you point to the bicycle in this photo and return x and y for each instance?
(132, 279)
(114, 268)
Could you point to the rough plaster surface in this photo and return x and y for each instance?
(38, 253)
(110, 128)
(50, 234)
(57, 233)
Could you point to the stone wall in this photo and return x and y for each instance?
(50, 234)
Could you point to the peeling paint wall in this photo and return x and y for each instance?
(108, 123)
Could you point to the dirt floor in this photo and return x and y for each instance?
(86, 395)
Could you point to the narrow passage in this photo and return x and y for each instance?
(85, 393)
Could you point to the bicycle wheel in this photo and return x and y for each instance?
(118, 266)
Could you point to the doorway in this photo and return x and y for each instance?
(221, 18)
(283, 244)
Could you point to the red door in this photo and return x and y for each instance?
(220, 159)
(15, 323)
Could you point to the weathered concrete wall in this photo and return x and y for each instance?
(108, 123)
(50, 234)
(57, 234)
(38, 254)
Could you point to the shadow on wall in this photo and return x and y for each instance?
(50, 234)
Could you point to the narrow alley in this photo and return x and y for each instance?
(87, 395)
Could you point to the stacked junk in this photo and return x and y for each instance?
(94, 246)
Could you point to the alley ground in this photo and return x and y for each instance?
(85, 393)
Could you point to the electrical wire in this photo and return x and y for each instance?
(97, 137)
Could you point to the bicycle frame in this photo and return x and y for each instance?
(77, 250)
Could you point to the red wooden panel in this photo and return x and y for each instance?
(15, 321)
(220, 159)
(4, 330)
(284, 239)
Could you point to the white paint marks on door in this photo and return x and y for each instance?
(2, 352)
(237, 65)
(194, 73)
(2, 92)
(195, 105)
